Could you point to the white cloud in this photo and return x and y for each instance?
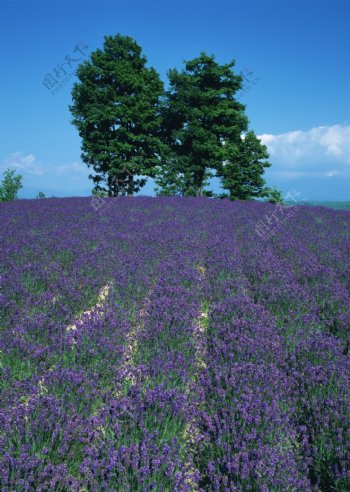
(23, 163)
(27, 164)
(332, 173)
(320, 152)
(75, 167)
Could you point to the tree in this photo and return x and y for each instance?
(116, 109)
(274, 195)
(41, 195)
(10, 186)
(99, 193)
(200, 114)
(173, 179)
(242, 173)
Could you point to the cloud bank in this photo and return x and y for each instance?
(320, 152)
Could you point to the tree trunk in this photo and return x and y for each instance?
(131, 185)
(199, 187)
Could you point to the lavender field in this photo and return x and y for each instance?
(174, 344)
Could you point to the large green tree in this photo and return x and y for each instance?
(116, 109)
(206, 131)
(242, 172)
(200, 116)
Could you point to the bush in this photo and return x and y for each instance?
(274, 195)
(10, 186)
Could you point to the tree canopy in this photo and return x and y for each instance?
(116, 110)
(131, 128)
(242, 172)
(10, 186)
(200, 115)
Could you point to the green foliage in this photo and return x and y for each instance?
(172, 179)
(199, 114)
(131, 129)
(10, 185)
(97, 192)
(274, 195)
(116, 109)
(242, 171)
(41, 195)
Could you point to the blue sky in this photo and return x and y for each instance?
(294, 53)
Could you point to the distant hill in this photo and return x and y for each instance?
(328, 204)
